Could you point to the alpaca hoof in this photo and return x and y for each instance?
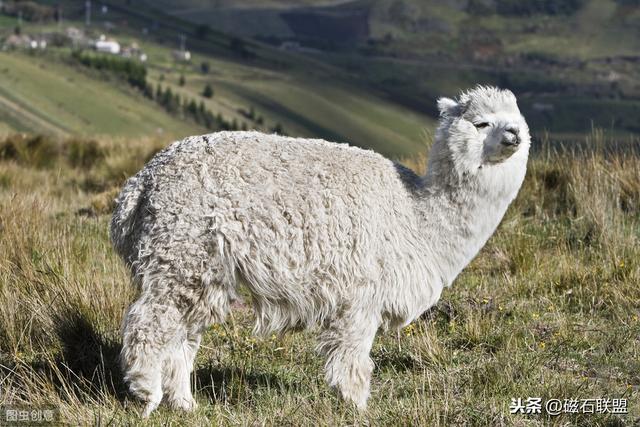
(187, 404)
(358, 401)
(356, 394)
(151, 406)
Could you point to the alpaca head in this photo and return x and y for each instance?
(481, 127)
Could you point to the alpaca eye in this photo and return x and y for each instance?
(481, 125)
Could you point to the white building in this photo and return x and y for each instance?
(107, 46)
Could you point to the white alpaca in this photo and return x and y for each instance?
(321, 234)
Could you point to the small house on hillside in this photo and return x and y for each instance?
(182, 55)
(107, 45)
(24, 41)
(133, 51)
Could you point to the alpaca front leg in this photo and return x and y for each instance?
(145, 381)
(176, 380)
(347, 344)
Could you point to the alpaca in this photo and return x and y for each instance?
(323, 236)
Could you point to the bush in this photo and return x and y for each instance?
(278, 129)
(202, 31)
(207, 92)
(35, 151)
(42, 151)
(239, 47)
(84, 154)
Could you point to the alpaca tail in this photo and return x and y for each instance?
(128, 206)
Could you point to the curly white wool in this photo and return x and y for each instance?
(323, 235)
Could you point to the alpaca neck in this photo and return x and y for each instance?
(459, 212)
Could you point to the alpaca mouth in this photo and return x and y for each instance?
(510, 137)
(508, 142)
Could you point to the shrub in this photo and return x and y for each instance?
(37, 151)
(207, 92)
(83, 154)
(202, 31)
(5, 180)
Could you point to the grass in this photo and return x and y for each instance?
(550, 308)
(45, 95)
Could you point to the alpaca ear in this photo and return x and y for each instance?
(448, 107)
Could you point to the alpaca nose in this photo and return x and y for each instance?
(510, 136)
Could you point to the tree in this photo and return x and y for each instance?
(192, 108)
(148, 91)
(207, 92)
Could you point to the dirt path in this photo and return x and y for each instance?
(22, 114)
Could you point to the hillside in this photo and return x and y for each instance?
(369, 71)
(42, 95)
(549, 309)
(569, 28)
(574, 63)
(49, 92)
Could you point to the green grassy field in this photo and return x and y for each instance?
(47, 93)
(306, 105)
(550, 308)
(42, 94)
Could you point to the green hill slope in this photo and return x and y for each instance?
(573, 64)
(42, 95)
(47, 92)
(303, 105)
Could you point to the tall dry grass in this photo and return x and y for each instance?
(550, 307)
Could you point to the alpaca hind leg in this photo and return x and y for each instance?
(176, 374)
(212, 306)
(347, 342)
(150, 329)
